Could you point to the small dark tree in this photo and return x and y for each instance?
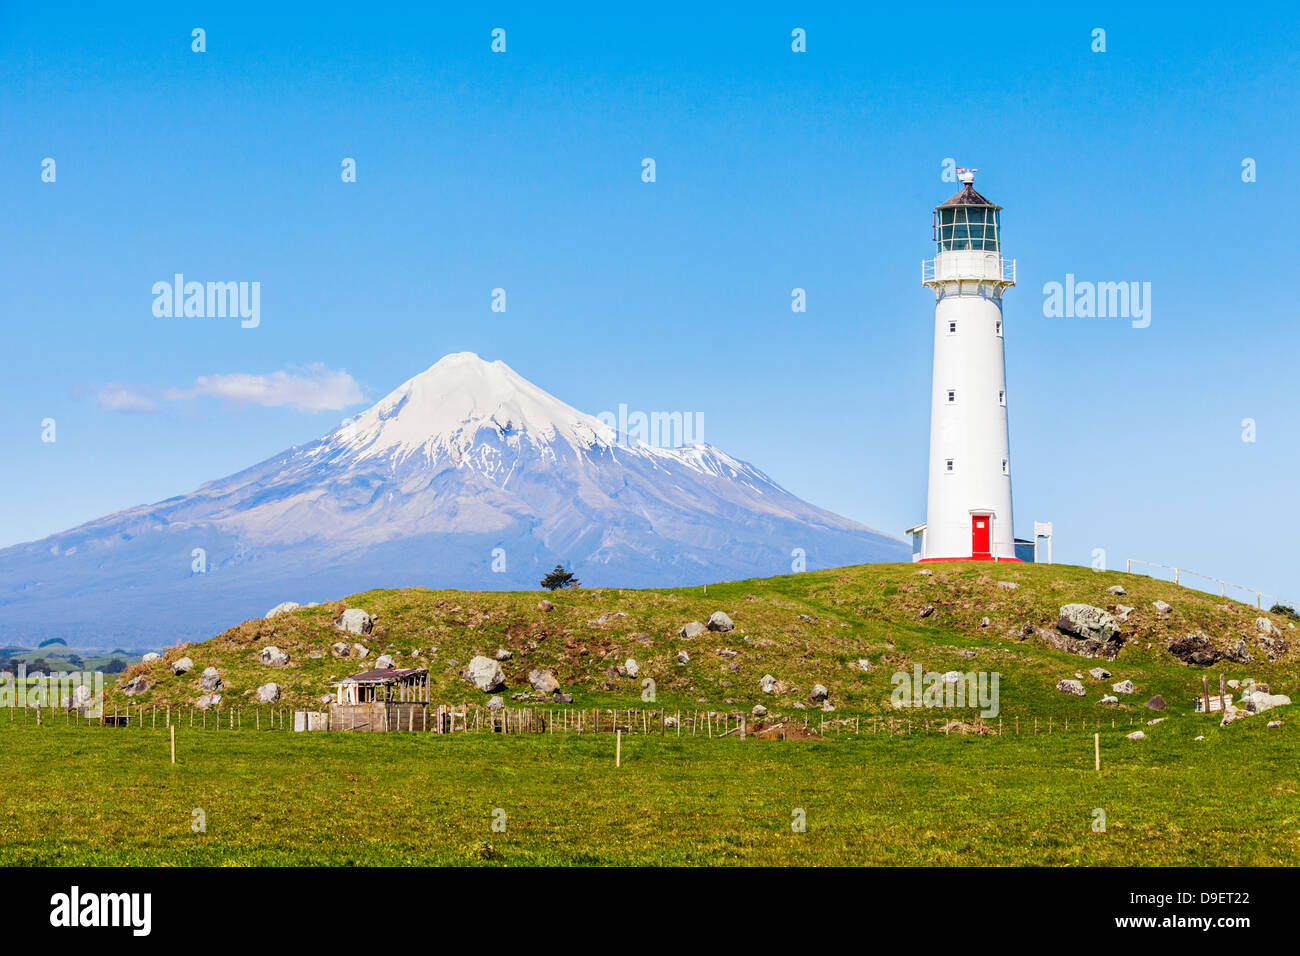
(560, 578)
(114, 666)
(1285, 610)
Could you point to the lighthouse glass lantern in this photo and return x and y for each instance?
(968, 504)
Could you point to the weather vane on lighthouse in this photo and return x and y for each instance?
(968, 508)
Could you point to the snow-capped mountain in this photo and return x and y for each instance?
(465, 476)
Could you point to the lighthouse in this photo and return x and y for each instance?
(968, 506)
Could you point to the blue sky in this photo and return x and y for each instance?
(522, 170)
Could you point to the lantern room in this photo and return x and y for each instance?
(967, 221)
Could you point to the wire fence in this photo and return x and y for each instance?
(1224, 586)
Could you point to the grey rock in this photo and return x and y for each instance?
(719, 621)
(1195, 648)
(819, 692)
(827, 706)
(136, 685)
(355, 621)
(984, 622)
(485, 674)
(82, 700)
(496, 703)
(693, 629)
(340, 648)
(1123, 687)
(268, 693)
(1274, 724)
(632, 667)
(1156, 703)
(1008, 585)
(545, 606)
(759, 710)
(1117, 590)
(560, 697)
(182, 665)
(767, 683)
(384, 662)
(282, 608)
(926, 572)
(1162, 606)
(208, 700)
(1136, 735)
(683, 657)
(150, 658)
(1070, 686)
(1122, 611)
(1087, 623)
(864, 665)
(272, 656)
(1264, 626)
(360, 651)
(927, 610)
(210, 679)
(503, 654)
(1099, 673)
(1108, 699)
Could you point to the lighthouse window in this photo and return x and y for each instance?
(947, 465)
(1004, 466)
(952, 395)
(967, 227)
(1002, 397)
(997, 326)
(952, 328)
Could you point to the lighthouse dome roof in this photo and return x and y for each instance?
(967, 197)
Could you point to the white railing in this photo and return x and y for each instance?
(992, 267)
(1223, 585)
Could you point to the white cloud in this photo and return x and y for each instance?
(125, 398)
(312, 389)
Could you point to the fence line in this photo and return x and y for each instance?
(1223, 585)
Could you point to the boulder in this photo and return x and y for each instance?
(1156, 703)
(150, 658)
(210, 679)
(82, 700)
(182, 665)
(1264, 626)
(545, 606)
(355, 621)
(1071, 686)
(560, 697)
(272, 656)
(1008, 585)
(1087, 623)
(1122, 611)
(503, 654)
(496, 703)
(683, 657)
(927, 610)
(1258, 701)
(1239, 653)
(1162, 606)
(1108, 699)
(1274, 724)
(693, 629)
(864, 665)
(136, 685)
(384, 662)
(1107, 650)
(759, 710)
(1136, 735)
(208, 700)
(984, 622)
(926, 573)
(485, 674)
(719, 621)
(268, 693)
(827, 706)
(767, 683)
(1117, 590)
(819, 692)
(360, 650)
(543, 682)
(1195, 648)
(282, 608)
(340, 648)
(1123, 687)
(1099, 673)
(632, 667)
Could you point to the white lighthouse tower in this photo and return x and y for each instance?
(968, 511)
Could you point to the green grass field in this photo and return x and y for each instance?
(74, 795)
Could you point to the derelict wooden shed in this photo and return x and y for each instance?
(387, 699)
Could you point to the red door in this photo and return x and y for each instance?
(981, 533)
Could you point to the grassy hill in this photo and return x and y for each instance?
(802, 629)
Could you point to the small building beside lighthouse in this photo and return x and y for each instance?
(968, 504)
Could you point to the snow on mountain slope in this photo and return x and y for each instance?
(463, 468)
